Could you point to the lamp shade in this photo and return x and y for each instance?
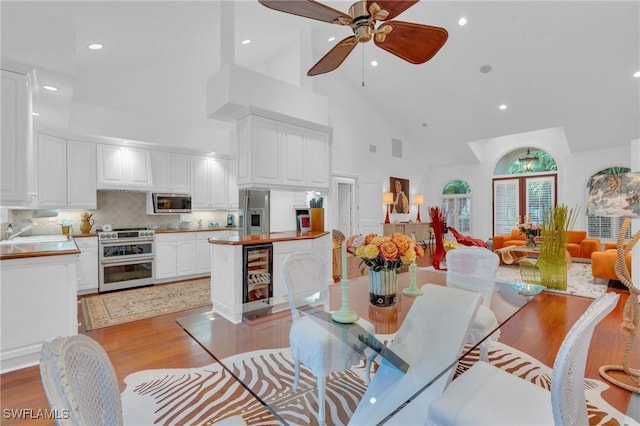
(614, 195)
(387, 197)
(418, 200)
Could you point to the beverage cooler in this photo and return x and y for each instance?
(258, 280)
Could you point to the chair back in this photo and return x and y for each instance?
(567, 380)
(78, 377)
(473, 268)
(306, 279)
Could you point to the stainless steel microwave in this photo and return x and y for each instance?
(171, 203)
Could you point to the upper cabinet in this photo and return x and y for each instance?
(209, 183)
(275, 154)
(66, 173)
(122, 167)
(171, 172)
(16, 151)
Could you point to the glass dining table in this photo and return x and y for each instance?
(256, 353)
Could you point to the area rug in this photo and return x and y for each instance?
(204, 395)
(124, 306)
(580, 282)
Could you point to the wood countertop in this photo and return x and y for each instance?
(171, 231)
(274, 237)
(25, 250)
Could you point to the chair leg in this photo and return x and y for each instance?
(367, 366)
(296, 376)
(321, 419)
(484, 350)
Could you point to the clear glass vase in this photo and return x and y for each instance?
(383, 287)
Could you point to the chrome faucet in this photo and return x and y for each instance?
(24, 229)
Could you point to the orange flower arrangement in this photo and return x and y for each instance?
(384, 252)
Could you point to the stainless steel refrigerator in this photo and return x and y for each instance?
(254, 210)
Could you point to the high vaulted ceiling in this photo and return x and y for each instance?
(553, 63)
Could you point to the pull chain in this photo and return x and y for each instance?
(362, 64)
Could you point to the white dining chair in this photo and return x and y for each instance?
(487, 395)
(316, 343)
(81, 384)
(474, 268)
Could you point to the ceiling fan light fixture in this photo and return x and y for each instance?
(529, 161)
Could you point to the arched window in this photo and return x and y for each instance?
(525, 185)
(456, 203)
(606, 228)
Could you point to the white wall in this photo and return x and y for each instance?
(574, 171)
(358, 124)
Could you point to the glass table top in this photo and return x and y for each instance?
(257, 354)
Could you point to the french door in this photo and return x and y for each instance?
(520, 198)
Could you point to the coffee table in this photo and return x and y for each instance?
(223, 340)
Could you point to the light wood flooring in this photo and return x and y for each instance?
(160, 343)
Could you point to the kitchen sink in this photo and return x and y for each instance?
(36, 239)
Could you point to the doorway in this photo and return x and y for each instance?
(345, 195)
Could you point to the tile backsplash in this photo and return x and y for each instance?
(121, 209)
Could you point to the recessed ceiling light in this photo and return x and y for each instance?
(331, 38)
(50, 88)
(374, 63)
(95, 46)
(462, 21)
(35, 114)
(424, 125)
(503, 107)
(636, 74)
(485, 69)
(247, 41)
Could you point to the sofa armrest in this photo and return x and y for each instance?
(498, 241)
(588, 246)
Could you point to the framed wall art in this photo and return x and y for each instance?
(400, 189)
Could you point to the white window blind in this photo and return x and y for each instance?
(506, 196)
(457, 208)
(540, 197)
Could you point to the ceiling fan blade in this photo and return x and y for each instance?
(415, 43)
(334, 57)
(308, 9)
(394, 7)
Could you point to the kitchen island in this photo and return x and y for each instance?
(228, 269)
(38, 297)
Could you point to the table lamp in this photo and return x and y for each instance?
(419, 200)
(618, 195)
(387, 199)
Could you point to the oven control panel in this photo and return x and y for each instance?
(118, 235)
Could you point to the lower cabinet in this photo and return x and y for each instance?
(88, 273)
(280, 253)
(184, 254)
(39, 302)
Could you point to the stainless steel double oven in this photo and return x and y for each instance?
(126, 258)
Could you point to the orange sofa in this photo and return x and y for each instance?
(603, 262)
(578, 245)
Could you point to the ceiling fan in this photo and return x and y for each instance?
(415, 43)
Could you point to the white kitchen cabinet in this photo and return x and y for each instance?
(165, 261)
(87, 265)
(171, 172)
(209, 183)
(39, 303)
(282, 155)
(280, 252)
(232, 175)
(122, 167)
(66, 173)
(176, 256)
(203, 252)
(186, 255)
(16, 145)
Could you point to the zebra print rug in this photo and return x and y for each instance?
(205, 395)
